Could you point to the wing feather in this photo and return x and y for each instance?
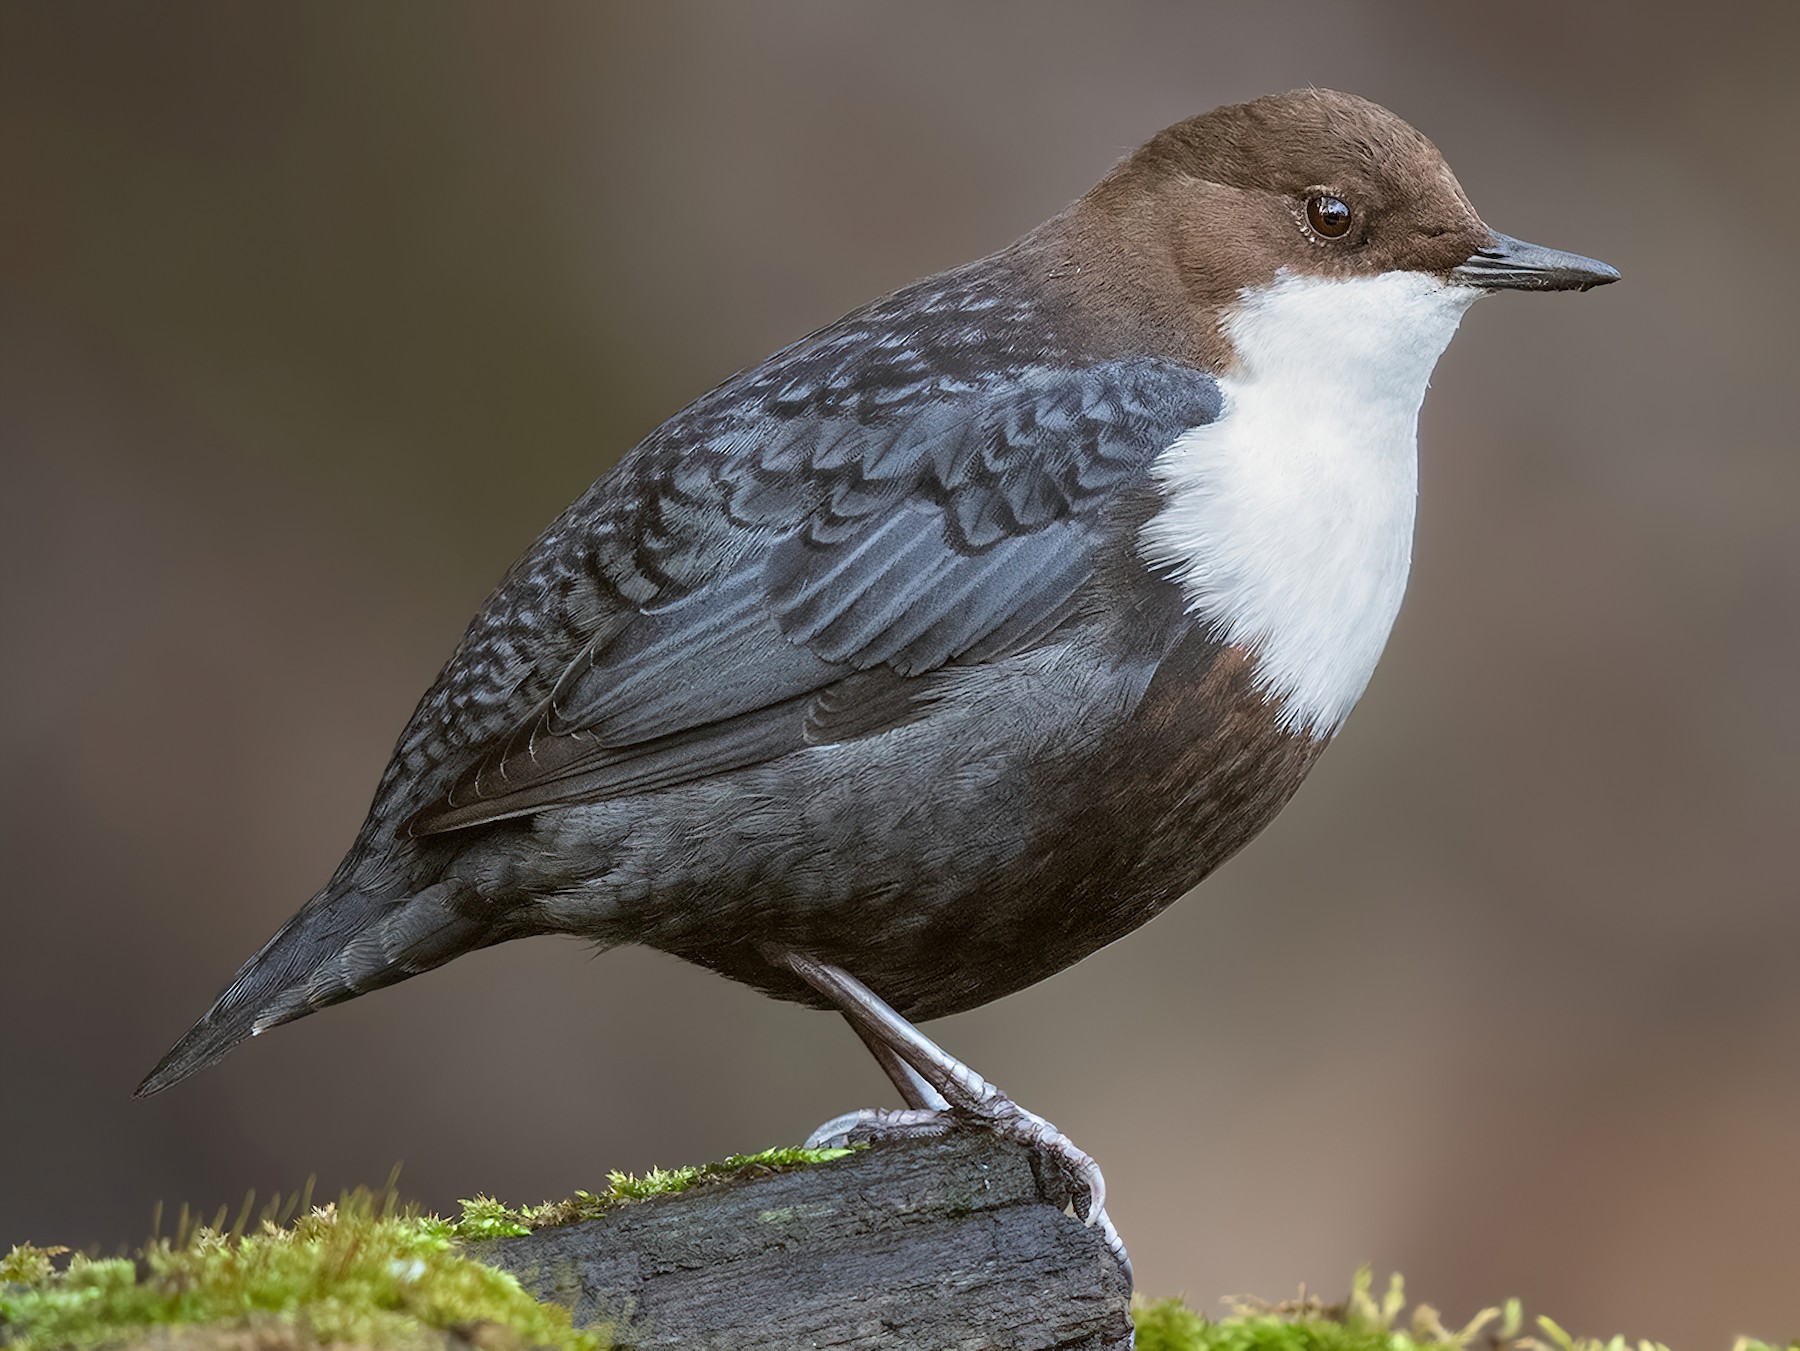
(849, 562)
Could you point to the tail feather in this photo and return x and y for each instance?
(331, 951)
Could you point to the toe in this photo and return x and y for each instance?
(837, 1132)
(872, 1123)
(1116, 1246)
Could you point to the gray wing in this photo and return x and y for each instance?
(784, 581)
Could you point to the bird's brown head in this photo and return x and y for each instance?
(1312, 183)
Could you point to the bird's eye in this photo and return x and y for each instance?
(1328, 216)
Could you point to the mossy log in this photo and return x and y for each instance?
(953, 1243)
(958, 1242)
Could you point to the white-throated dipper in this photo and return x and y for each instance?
(960, 638)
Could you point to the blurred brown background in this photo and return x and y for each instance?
(311, 316)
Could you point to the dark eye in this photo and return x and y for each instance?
(1328, 216)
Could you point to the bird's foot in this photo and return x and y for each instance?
(1081, 1180)
(1083, 1183)
(943, 1094)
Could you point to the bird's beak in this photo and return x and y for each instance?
(1509, 264)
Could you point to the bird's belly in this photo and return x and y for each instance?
(1200, 767)
(1106, 839)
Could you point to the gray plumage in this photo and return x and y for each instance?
(774, 675)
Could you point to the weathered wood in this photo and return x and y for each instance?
(922, 1244)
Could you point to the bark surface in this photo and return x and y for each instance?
(955, 1242)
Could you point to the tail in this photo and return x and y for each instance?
(335, 949)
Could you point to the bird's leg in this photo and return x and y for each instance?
(913, 1088)
(942, 1092)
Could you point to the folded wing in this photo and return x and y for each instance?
(799, 580)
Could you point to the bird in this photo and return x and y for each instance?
(959, 638)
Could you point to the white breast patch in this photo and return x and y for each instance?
(1288, 522)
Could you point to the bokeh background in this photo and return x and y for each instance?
(312, 315)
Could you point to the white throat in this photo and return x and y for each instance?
(1288, 522)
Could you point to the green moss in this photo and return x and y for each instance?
(361, 1272)
(355, 1273)
(364, 1273)
(1364, 1322)
(484, 1217)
